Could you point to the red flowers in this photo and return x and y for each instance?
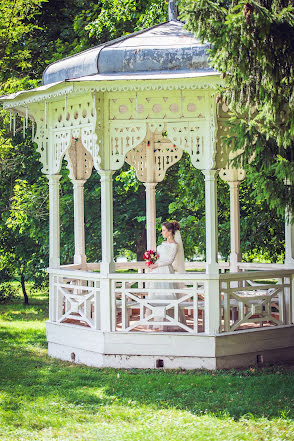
(150, 257)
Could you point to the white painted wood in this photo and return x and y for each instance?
(79, 223)
(252, 340)
(97, 305)
(252, 266)
(212, 306)
(235, 255)
(52, 317)
(105, 304)
(124, 350)
(265, 274)
(151, 215)
(278, 356)
(54, 222)
(127, 296)
(211, 221)
(138, 343)
(154, 155)
(95, 266)
(289, 239)
(119, 361)
(165, 344)
(249, 298)
(107, 264)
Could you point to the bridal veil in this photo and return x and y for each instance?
(179, 262)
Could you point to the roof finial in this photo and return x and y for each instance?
(173, 10)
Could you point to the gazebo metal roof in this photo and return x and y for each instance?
(167, 47)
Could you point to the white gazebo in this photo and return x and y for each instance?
(144, 99)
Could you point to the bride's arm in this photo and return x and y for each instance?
(169, 260)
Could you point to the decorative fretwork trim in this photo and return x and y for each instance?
(120, 86)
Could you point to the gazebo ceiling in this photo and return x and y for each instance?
(167, 47)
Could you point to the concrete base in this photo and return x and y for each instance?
(170, 350)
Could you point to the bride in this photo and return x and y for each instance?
(171, 260)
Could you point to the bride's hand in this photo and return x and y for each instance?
(153, 265)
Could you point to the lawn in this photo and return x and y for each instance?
(45, 399)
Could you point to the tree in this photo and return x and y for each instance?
(253, 48)
(120, 17)
(55, 29)
(23, 214)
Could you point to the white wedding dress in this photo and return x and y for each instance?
(167, 257)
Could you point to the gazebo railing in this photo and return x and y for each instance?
(74, 298)
(246, 300)
(256, 298)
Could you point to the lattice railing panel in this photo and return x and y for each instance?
(76, 301)
(248, 302)
(133, 310)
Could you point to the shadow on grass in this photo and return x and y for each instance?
(26, 373)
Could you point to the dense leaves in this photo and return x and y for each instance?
(253, 47)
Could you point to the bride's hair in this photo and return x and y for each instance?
(172, 226)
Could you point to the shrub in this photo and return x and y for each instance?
(8, 292)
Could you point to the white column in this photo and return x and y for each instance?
(235, 255)
(211, 298)
(79, 222)
(54, 227)
(107, 265)
(289, 238)
(151, 215)
(211, 221)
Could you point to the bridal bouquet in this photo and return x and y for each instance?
(150, 257)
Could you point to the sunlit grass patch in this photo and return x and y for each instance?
(46, 399)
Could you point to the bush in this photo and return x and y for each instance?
(8, 292)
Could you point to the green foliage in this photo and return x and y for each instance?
(23, 213)
(8, 292)
(120, 17)
(253, 47)
(49, 30)
(17, 23)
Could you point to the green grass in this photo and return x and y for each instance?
(45, 399)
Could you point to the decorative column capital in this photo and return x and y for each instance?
(210, 175)
(106, 175)
(78, 182)
(231, 174)
(234, 184)
(53, 179)
(150, 185)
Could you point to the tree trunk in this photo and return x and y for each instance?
(141, 245)
(23, 287)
